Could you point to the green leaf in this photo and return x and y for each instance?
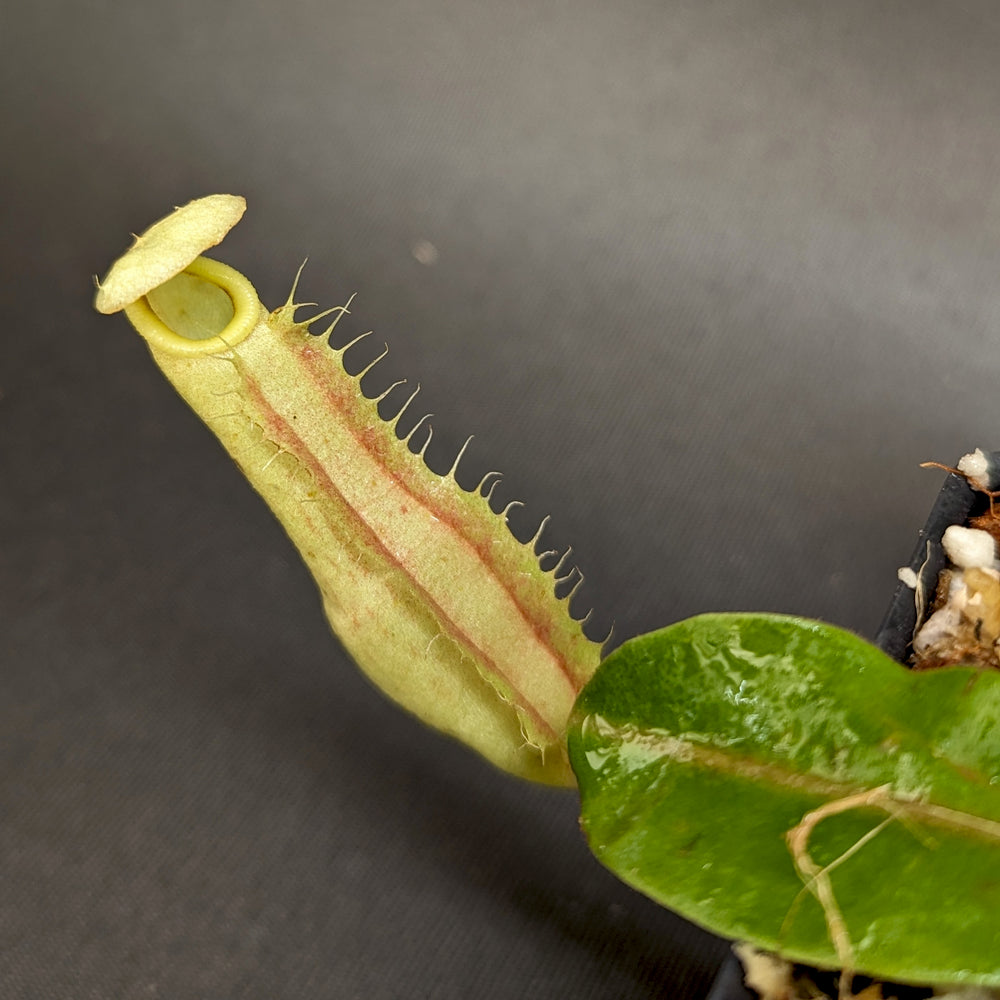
(784, 782)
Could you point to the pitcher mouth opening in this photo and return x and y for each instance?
(208, 308)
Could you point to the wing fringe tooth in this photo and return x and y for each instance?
(319, 315)
(371, 364)
(290, 302)
(340, 351)
(292, 306)
(423, 451)
(458, 458)
(394, 423)
(270, 461)
(496, 482)
(506, 511)
(278, 452)
(482, 482)
(382, 395)
(555, 570)
(611, 631)
(413, 429)
(576, 586)
(538, 533)
(340, 311)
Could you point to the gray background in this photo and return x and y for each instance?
(712, 278)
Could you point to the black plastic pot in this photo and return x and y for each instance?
(955, 504)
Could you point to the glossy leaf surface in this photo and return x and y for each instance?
(784, 782)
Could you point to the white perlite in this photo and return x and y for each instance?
(976, 468)
(967, 547)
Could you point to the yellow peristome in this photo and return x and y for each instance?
(167, 247)
(243, 314)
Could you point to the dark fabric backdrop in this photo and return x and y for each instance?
(709, 279)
